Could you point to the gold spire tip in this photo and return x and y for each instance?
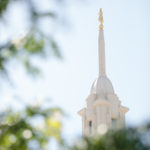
(101, 19)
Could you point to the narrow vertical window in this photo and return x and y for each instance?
(90, 123)
(90, 127)
(114, 123)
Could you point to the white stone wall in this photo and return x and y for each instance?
(101, 112)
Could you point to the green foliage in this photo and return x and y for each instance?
(31, 128)
(3, 5)
(34, 43)
(123, 139)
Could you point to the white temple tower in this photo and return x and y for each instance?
(103, 109)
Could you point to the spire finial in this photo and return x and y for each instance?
(101, 19)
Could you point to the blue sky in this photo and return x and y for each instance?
(67, 82)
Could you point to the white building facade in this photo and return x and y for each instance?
(103, 108)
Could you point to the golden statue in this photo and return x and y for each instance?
(101, 19)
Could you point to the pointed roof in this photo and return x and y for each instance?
(101, 46)
(102, 86)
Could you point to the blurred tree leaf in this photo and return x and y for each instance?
(34, 42)
(18, 130)
(34, 45)
(46, 14)
(123, 139)
(55, 48)
(3, 5)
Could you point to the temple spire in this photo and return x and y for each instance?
(101, 46)
(103, 110)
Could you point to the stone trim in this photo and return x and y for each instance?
(82, 112)
(124, 109)
(101, 102)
